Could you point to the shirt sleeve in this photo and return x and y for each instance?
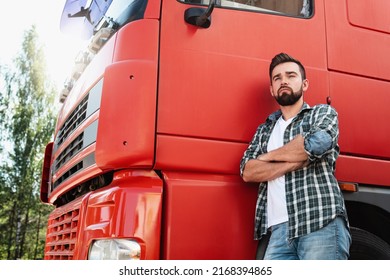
(253, 150)
(323, 134)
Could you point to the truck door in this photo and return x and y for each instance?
(358, 45)
(213, 93)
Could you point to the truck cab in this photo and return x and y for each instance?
(163, 102)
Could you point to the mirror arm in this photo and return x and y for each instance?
(199, 16)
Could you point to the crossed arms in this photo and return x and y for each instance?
(316, 143)
(276, 163)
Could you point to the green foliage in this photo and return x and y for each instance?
(26, 125)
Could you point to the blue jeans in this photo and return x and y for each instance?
(331, 242)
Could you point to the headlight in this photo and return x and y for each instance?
(114, 249)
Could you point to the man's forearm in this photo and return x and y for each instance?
(293, 151)
(261, 171)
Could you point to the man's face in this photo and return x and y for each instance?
(287, 86)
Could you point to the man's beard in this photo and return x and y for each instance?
(287, 99)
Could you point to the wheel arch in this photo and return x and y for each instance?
(370, 218)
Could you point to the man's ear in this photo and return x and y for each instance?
(305, 84)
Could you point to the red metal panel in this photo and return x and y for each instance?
(138, 41)
(362, 105)
(352, 49)
(153, 9)
(208, 217)
(127, 141)
(363, 170)
(200, 155)
(129, 91)
(370, 14)
(130, 207)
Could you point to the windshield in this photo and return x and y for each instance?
(84, 18)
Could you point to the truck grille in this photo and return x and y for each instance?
(69, 151)
(73, 121)
(86, 162)
(62, 235)
(82, 112)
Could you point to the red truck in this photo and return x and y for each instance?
(163, 102)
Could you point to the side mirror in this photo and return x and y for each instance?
(200, 17)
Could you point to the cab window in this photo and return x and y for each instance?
(295, 8)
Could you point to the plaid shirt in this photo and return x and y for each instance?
(313, 196)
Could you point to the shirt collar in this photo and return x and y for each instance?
(276, 115)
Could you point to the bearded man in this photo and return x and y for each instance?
(292, 156)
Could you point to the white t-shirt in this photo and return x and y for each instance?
(276, 192)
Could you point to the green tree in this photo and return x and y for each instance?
(27, 123)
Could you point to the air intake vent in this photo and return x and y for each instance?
(86, 162)
(61, 236)
(74, 120)
(69, 152)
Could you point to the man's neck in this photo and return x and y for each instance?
(291, 111)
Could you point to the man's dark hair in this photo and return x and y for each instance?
(282, 58)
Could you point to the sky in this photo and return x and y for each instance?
(60, 49)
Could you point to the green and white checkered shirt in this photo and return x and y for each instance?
(313, 196)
